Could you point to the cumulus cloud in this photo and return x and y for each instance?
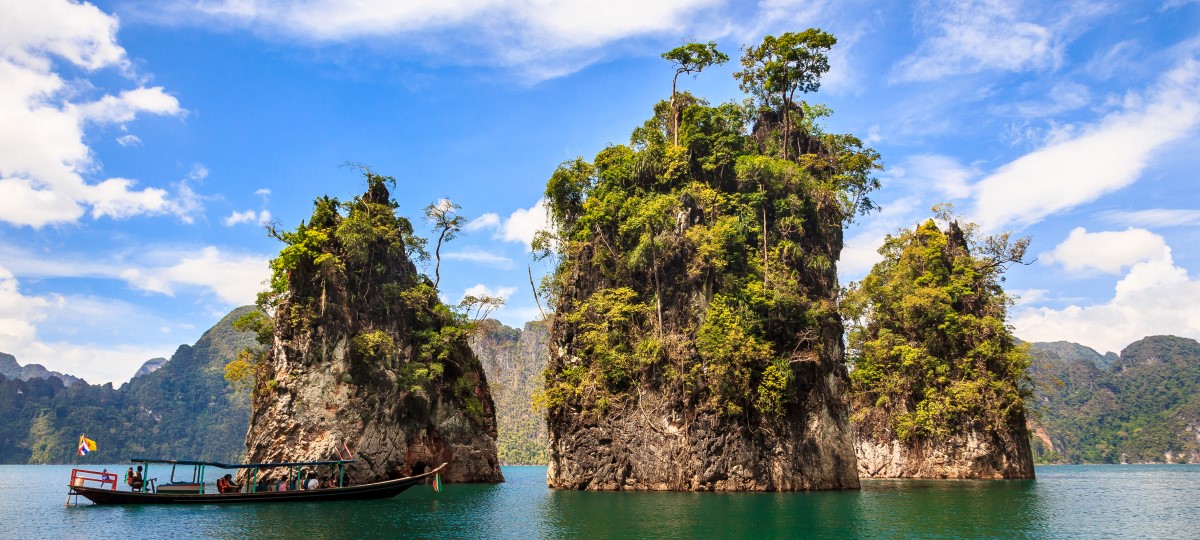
(1154, 297)
(18, 312)
(1109, 251)
(43, 157)
(484, 290)
(524, 223)
(973, 36)
(235, 278)
(262, 217)
(489, 220)
(22, 314)
(1099, 159)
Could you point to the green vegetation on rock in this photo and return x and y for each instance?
(348, 271)
(700, 256)
(931, 354)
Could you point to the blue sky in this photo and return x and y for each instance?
(143, 143)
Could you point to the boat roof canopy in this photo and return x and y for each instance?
(241, 465)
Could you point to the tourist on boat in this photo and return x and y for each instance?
(328, 482)
(312, 482)
(282, 485)
(135, 480)
(225, 484)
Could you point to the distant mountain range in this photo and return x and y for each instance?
(1142, 406)
(179, 408)
(10, 369)
(1139, 406)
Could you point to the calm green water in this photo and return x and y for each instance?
(1064, 502)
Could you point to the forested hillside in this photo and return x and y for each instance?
(513, 360)
(184, 410)
(1142, 406)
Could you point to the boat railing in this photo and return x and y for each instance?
(86, 478)
(82, 478)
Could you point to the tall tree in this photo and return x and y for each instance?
(448, 224)
(690, 58)
(781, 66)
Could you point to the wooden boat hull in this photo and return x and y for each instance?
(377, 490)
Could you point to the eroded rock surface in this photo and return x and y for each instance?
(973, 455)
(361, 356)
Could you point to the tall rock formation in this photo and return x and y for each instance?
(696, 342)
(362, 354)
(938, 382)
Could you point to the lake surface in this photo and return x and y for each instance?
(1102, 501)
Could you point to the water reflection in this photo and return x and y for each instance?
(1065, 502)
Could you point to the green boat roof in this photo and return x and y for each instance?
(241, 465)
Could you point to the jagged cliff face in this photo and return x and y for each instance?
(696, 343)
(938, 383)
(362, 354)
(975, 453)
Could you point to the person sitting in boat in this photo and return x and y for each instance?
(225, 484)
(135, 480)
(328, 482)
(312, 482)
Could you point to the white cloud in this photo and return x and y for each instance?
(1109, 252)
(1029, 296)
(524, 223)
(43, 157)
(973, 36)
(942, 175)
(1064, 96)
(543, 39)
(18, 312)
(262, 192)
(481, 257)
(20, 316)
(1155, 297)
(861, 250)
(235, 278)
(489, 220)
(873, 135)
(1154, 217)
(197, 172)
(1100, 159)
(129, 140)
(249, 216)
(484, 290)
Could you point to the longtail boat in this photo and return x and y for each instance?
(101, 487)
